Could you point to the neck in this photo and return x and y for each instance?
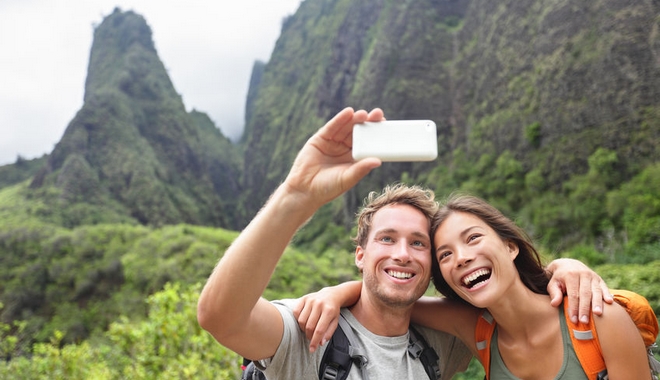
(380, 319)
(521, 312)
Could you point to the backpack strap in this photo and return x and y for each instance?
(419, 348)
(250, 372)
(584, 339)
(586, 345)
(483, 333)
(642, 314)
(342, 351)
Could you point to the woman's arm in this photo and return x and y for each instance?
(621, 344)
(456, 318)
(318, 313)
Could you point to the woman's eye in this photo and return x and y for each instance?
(473, 237)
(443, 255)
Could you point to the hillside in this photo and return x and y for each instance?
(550, 110)
(548, 81)
(540, 106)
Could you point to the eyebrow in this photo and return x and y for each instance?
(393, 230)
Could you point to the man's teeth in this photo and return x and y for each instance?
(475, 277)
(399, 275)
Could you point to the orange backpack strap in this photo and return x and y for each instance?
(483, 334)
(586, 344)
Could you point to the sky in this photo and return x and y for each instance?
(208, 48)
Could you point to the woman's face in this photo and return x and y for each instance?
(476, 263)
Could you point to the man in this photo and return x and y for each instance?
(395, 260)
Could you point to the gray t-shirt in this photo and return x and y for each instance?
(388, 356)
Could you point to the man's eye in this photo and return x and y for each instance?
(386, 239)
(419, 244)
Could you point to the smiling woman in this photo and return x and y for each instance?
(484, 259)
(478, 217)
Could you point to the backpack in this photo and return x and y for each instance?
(584, 337)
(343, 351)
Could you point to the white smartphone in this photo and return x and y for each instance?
(396, 140)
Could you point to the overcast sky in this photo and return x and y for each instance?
(208, 48)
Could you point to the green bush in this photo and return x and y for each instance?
(168, 344)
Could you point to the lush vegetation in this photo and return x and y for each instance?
(550, 115)
(73, 300)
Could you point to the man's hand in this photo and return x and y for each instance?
(584, 287)
(324, 168)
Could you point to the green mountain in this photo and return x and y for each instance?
(540, 106)
(544, 108)
(550, 110)
(133, 153)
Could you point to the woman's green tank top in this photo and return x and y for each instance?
(570, 369)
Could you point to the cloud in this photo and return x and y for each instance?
(207, 47)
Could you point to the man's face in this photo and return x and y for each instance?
(396, 261)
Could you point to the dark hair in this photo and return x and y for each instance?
(528, 261)
(416, 196)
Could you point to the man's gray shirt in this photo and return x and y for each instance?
(388, 356)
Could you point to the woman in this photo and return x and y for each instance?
(483, 259)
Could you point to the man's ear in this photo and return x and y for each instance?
(359, 257)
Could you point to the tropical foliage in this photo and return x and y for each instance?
(549, 110)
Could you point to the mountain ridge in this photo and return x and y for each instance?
(133, 143)
(534, 102)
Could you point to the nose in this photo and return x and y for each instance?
(463, 257)
(401, 252)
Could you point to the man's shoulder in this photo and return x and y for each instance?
(292, 360)
(286, 302)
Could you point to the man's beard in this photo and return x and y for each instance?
(400, 299)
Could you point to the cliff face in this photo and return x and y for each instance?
(544, 82)
(333, 54)
(133, 144)
(574, 75)
(534, 87)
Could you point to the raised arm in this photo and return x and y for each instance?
(230, 306)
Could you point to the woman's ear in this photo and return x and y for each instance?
(513, 249)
